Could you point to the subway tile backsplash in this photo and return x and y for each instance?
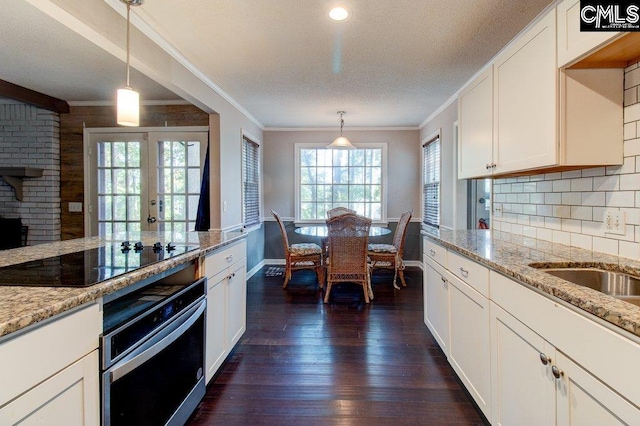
(570, 207)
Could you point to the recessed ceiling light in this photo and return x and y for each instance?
(339, 14)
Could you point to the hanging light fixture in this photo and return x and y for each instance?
(128, 100)
(341, 142)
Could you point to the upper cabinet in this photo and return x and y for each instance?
(524, 115)
(573, 44)
(475, 124)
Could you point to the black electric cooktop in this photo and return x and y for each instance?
(88, 267)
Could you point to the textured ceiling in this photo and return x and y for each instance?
(391, 64)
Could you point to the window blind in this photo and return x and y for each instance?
(431, 182)
(251, 182)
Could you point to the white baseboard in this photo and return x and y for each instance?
(414, 263)
(283, 262)
(255, 269)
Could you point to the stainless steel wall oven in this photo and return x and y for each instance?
(153, 351)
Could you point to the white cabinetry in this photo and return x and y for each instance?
(436, 292)
(50, 372)
(540, 117)
(475, 120)
(469, 342)
(575, 383)
(226, 303)
(525, 84)
(573, 43)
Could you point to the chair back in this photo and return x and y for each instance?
(283, 232)
(337, 211)
(348, 239)
(401, 232)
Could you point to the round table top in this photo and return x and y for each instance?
(320, 230)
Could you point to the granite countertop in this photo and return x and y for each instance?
(23, 306)
(512, 254)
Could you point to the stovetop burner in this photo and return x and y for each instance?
(88, 267)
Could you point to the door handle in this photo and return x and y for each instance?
(151, 219)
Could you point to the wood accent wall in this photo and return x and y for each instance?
(72, 155)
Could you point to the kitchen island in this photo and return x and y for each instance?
(528, 346)
(50, 349)
(21, 307)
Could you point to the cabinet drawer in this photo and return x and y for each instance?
(474, 274)
(435, 251)
(219, 260)
(32, 357)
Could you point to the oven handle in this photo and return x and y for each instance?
(157, 343)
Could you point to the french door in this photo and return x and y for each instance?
(145, 181)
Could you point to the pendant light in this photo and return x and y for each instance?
(128, 100)
(341, 142)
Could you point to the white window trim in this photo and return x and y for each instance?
(432, 136)
(252, 138)
(296, 188)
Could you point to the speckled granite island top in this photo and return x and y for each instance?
(512, 254)
(24, 306)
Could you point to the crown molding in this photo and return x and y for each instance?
(325, 129)
(113, 103)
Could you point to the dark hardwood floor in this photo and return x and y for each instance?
(302, 362)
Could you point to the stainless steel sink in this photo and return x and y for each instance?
(616, 284)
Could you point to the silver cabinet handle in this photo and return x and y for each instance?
(444, 280)
(557, 373)
(233, 274)
(229, 258)
(464, 271)
(433, 252)
(544, 359)
(488, 166)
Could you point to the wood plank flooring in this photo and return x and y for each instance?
(302, 362)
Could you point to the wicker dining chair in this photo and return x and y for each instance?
(347, 262)
(300, 256)
(337, 211)
(389, 256)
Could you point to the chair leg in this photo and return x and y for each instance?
(395, 275)
(401, 274)
(287, 276)
(327, 292)
(365, 288)
(320, 274)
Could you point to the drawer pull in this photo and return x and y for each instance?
(544, 359)
(464, 271)
(444, 280)
(229, 258)
(557, 373)
(432, 251)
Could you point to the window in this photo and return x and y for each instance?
(328, 178)
(250, 182)
(431, 181)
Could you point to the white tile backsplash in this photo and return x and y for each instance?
(569, 207)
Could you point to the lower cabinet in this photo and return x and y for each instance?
(469, 341)
(70, 397)
(226, 304)
(436, 303)
(525, 358)
(523, 387)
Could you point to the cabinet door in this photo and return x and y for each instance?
(436, 290)
(216, 350)
(236, 304)
(469, 346)
(584, 400)
(70, 397)
(525, 81)
(475, 119)
(573, 43)
(523, 388)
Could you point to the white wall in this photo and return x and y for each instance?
(453, 191)
(403, 172)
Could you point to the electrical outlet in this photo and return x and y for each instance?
(497, 210)
(75, 207)
(614, 222)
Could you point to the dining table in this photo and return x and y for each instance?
(321, 230)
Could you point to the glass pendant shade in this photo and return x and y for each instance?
(341, 142)
(128, 110)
